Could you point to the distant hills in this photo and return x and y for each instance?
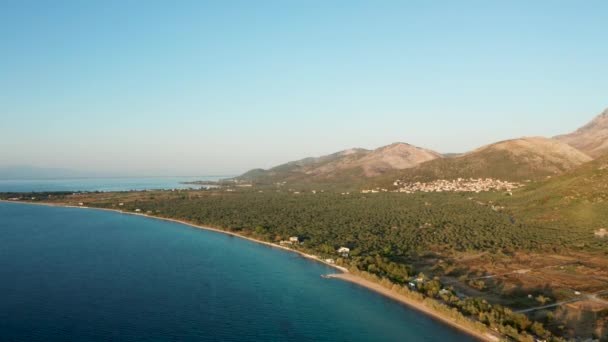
(515, 160)
(591, 138)
(528, 158)
(350, 164)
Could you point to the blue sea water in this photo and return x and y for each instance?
(102, 184)
(69, 274)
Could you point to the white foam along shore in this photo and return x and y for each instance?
(344, 274)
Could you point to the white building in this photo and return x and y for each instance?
(343, 251)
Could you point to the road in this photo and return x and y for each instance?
(593, 297)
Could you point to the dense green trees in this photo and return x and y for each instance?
(385, 224)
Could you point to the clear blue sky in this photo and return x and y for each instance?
(216, 87)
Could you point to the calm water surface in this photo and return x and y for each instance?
(102, 184)
(71, 274)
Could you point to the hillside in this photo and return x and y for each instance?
(591, 138)
(516, 160)
(348, 165)
(577, 199)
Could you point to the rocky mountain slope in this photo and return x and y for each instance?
(345, 165)
(591, 138)
(516, 160)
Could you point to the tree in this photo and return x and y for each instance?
(537, 329)
(542, 299)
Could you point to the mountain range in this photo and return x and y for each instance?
(514, 160)
(350, 164)
(528, 158)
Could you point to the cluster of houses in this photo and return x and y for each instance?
(374, 191)
(24, 198)
(476, 185)
(298, 192)
(413, 285)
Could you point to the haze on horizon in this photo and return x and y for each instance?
(197, 88)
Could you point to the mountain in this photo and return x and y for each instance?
(591, 138)
(396, 156)
(348, 165)
(516, 160)
(531, 158)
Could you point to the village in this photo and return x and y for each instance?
(457, 185)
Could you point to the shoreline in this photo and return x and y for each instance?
(192, 225)
(410, 303)
(344, 274)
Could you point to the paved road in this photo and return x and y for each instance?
(593, 296)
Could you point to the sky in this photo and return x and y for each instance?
(220, 87)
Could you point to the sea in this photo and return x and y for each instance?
(74, 274)
(104, 184)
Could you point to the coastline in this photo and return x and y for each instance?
(192, 225)
(418, 306)
(344, 274)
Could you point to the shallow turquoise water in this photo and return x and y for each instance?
(88, 275)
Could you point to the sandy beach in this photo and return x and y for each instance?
(343, 274)
(410, 303)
